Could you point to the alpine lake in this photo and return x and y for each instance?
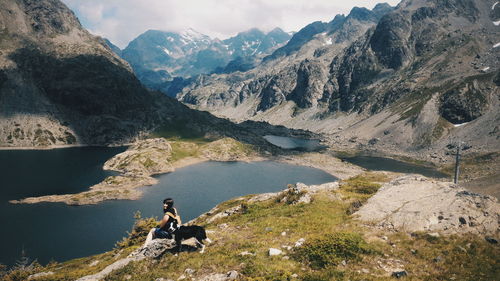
(56, 231)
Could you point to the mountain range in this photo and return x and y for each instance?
(157, 57)
(60, 85)
(412, 77)
(420, 75)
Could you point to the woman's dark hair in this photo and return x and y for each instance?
(169, 202)
(170, 206)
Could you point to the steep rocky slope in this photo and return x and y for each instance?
(61, 85)
(426, 74)
(308, 53)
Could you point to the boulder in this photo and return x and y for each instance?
(300, 242)
(229, 276)
(39, 275)
(275, 252)
(399, 274)
(154, 249)
(229, 212)
(415, 203)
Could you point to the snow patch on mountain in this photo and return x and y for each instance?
(193, 35)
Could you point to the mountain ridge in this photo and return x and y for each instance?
(418, 71)
(158, 57)
(60, 85)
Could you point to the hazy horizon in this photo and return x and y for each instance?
(121, 21)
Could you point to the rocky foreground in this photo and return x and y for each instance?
(400, 226)
(416, 203)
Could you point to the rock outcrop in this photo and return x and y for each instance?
(300, 192)
(155, 249)
(228, 149)
(415, 203)
(148, 157)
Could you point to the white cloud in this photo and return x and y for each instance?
(123, 20)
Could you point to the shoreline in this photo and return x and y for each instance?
(62, 146)
(134, 175)
(128, 186)
(129, 183)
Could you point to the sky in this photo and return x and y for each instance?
(121, 21)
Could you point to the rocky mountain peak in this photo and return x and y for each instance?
(277, 30)
(44, 18)
(382, 8)
(362, 14)
(427, 66)
(193, 35)
(158, 57)
(61, 85)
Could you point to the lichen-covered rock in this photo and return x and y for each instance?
(416, 203)
(229, 212)
(39, 275)
(154, 249)
(231, 275)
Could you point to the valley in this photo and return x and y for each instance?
(321, 154)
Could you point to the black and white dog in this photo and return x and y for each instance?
(191, 231)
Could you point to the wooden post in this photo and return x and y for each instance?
(457, 163)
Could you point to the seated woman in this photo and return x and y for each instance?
(168, 225)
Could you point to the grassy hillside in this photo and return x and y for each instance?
(336, 247)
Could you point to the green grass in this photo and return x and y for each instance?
(179, 130)
(475, 165)
(183, 149)
(332, 249)
(148, 163)
(364, 184)
(331, 235)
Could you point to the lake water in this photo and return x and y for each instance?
(387, 164)
(294, 143)
(367, 162)
(57, 231)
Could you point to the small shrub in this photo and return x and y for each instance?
(148, 163)
(257, 271)
(332, 249)
(3, 270)
(23, 268)
(354, 207)
(139, 232)
(360, 185)
(290, 196)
